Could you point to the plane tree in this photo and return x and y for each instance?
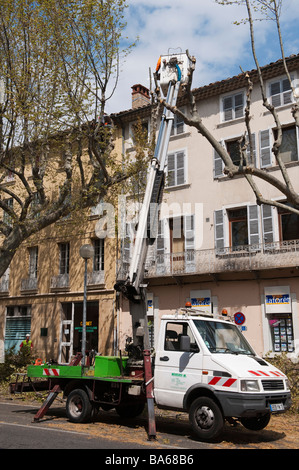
(261, 10)
(59, 65)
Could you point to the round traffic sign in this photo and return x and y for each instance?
(239, 318)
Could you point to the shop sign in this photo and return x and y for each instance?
(278, 299)
(201, 299)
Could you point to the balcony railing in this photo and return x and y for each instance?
(242, 258)
(29, 284)
(4, 285)
(62, 281)
(96, 278)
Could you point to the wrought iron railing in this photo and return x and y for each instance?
(227, 259)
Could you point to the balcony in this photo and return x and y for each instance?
(29, 285)
(227, 260)
(60, 282)
(95, 279)
(4, 286)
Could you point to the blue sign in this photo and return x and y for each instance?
(239, 318)
(281, 299)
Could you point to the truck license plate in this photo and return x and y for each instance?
(277, 407)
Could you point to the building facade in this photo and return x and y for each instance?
(42, 292)
(216, 247)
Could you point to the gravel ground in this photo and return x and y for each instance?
(173, 428)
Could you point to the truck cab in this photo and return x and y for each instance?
(205, 366)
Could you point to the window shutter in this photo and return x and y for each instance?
(239, 106)
(286, 91)
(228, 108)
(219, 231)
(265, 148)
(268, 229)
(218, 165)
(176, 169)
(180, 168)
(189, 242)
(189, 232)
(253, 227)
(254, 162)
(275, 94)
(160, 238)
(171, 170)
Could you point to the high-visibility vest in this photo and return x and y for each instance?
(27, 344)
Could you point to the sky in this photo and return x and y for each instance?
(206, 29)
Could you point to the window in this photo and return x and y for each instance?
(222, 338)
(176, 171)
(288, 149)
(288, 225)
(280, 92)
(7, 219)
(178, 126)
(232, 147)
(282, 336)
(98, 260)
(232, 107)
(33, 261)
(173, 333)
(238, 227)
(64, 258)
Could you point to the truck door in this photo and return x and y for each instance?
(176, 370)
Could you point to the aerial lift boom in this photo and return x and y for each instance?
(171, 72)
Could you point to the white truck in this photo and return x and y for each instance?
(205, 366)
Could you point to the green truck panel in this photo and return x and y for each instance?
(106, 367)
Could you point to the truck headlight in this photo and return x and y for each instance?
(287, 384)
(250, 386)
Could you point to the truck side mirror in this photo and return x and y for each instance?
(185, 343)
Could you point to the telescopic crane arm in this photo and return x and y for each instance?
(172, 70)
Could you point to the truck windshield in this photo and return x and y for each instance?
(222, 337)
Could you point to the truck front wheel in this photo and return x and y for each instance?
(206, 418)
(78, 406)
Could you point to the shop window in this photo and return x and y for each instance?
(281, 327)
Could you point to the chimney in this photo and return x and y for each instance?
(140, 96)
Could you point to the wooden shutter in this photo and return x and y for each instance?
(268, 228)
(265, 148)
(189, 242)
(253, 227)
(180, 168)
(218, 165)
(219, 230)
(171, 169)
(254, 162)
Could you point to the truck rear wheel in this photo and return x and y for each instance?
(78, 406)
(206, 418)
(256, 424)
